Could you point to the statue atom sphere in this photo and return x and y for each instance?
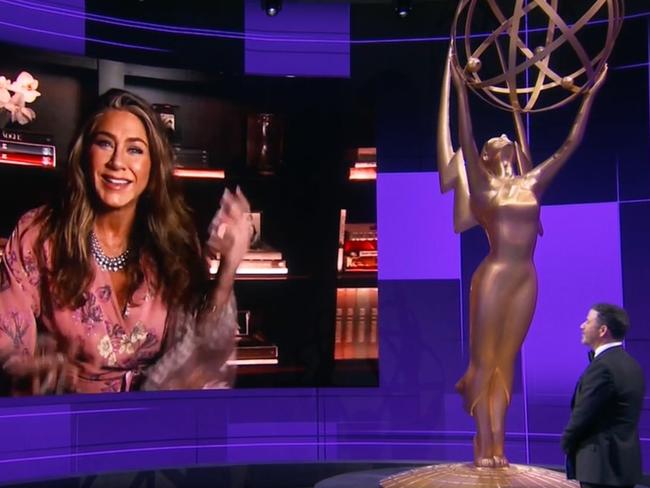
(530, 49)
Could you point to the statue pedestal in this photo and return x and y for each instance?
(465, 474)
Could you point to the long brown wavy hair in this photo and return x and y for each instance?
(163, 235)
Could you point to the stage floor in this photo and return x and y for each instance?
(307, 475)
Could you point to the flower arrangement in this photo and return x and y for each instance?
(15, 95)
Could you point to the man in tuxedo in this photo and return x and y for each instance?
(601, 439)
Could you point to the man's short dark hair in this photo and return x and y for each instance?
(614, 317)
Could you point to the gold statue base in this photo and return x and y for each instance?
(465, 474)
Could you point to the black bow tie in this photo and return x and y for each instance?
(590, 355)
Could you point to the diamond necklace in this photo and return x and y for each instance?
(118, 263)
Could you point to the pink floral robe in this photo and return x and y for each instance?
(114, 345)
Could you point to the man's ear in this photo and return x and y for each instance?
(603, 330)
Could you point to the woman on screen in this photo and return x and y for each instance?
(107, 289)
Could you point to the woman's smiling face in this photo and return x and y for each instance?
(119, 160)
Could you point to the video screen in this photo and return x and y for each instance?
(99, 293)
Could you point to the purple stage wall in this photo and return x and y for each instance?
(40, 24)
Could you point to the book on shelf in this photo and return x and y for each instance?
(27, 149)
(12, 135)
(358, 251)
(362, 155)
(263, 254)
(363, 173)
(255, 350)
(339, 257)
(190, 157)
(364, 164)
(355, 328)
(255, 267)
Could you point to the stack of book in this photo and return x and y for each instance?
(194, 163)
(356, 332)
(186, 157)
(360, 248)
(261, 259)
(252, 349)
(258, 262)
(27, 149)
(357, 246)
(364, 164)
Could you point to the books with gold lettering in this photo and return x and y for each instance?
(355, 329)
(27, 149)
(357, 246)
(360, 247)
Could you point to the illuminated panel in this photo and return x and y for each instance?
(415, 228)
(27, 24)
(303, 39)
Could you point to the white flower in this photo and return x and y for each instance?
(105, 347)
(24, 91)
(27, 85)
(19, 113)
(138, 334)
(5, 95)
(128, 343)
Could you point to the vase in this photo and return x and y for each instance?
(264, 145)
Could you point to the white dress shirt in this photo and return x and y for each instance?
(600, 349)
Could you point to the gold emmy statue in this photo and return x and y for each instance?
(500, 189)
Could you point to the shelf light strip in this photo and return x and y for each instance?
(214, 174)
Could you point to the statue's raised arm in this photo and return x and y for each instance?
(451, 164)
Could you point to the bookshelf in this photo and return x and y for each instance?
(356, 328)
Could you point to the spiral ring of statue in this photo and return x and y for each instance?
(534, 65)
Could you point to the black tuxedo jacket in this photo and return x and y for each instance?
(601, 439)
